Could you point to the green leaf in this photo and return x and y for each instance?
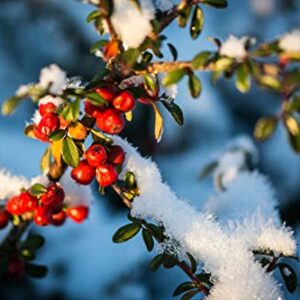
(10, 105)
(34, 242)
(70, 152)
(36, 271)
(204, 277)
(130, 180)
(289, 277)
(243, 80)
(169, 261)
(158, 232)
(126, 233)
(45, 160)
(129, 57)
(96, 99)
(270, 82)
(98, 45)
(101, 138)
(156, 262)
(193, 262)
(216, 3)
(200, 60)
(175, 111)
(197, 22)
(57, 135)
(148, 239)
(173, 77)
(71, 111)
(93, 15)
(184, 15)
(223, 63)
(265, 127)
(173, 51)
(150, 85)
(291, 124)
(37, 189)
(208, 169)
(183, 287)
(189, 295)
(195, 86)
(294, 141)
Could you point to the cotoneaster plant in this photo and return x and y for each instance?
(130, 44)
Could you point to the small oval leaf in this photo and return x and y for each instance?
(126, 233)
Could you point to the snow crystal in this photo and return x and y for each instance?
(54, 78)
(234, 47)
(290, 41)
(134, 80)
(171, 90)
(263, 7)
(57, 101)
(75, 194)
(164, 5)
(23, 89)
(227, 257)
(132, 24)
(36, 119)
(11, 185)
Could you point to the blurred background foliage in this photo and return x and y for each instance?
(84, 263)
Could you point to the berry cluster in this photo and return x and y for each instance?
(50, 120)
(46, 208)
(110, 117)
(100, 161)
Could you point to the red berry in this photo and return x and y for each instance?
(83, 173)
(39, 135)
(116, 155)
(53, 198)
(48, 124)
(42, 216)
(107, 93)
(13, 206)
(92, 110)
(96, 155)
(111, 121)
(78, 213)
(124, 101)
(59, 218)
(106, 175)
(16, 268)
(47, 108)
(4, 218)
(27, 202)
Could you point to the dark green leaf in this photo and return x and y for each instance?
(34, 242)
(243, 80)
(173, 77)
(189, 295)
(169, 261)
(208, 169)
(294, 141)
(204, 277)
(195, 86)
(93, 15)
(70, 152)
(156, 262)
(173, 51)
(183, 287)
(193, 262)
(36, 271)
(265, 127)
(289, 277)
(201, 59)
(57, 135)
(148, 239)
(126, 233)
(37, 189)
(175, 111)
(197, 22)
(129, 179)
(184, 15)
(158, 232)
(216, 3)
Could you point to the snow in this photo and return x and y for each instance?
(290, 41)
(228, 258)
(23, 89)
(57, 101)
(54, 78)
(263, 7)
(234, 47)
(131, 24)
(36, 119)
